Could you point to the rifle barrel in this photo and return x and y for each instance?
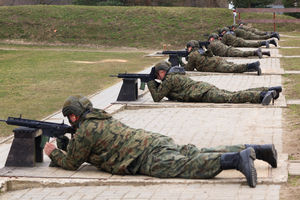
(2, 120)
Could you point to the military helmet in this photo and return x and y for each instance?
(193, 43)
(225, 29)
(213, 35)
(76, 105)
(164, 65)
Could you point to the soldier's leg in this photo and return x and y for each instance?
(259, 37)
(224, 149)
(216, 95)
(233, 52)
(168, 162)
(175, 161)
(230, 67)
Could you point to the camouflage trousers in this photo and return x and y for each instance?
(216, 95)
(243, 43)
(233, 52)
(256, 37)
(218, 64)
(170, 160)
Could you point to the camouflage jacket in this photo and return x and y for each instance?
(107, 144)
(199, 62)
(218, 48)
(244, 34)
(178, 87)
(229, 39)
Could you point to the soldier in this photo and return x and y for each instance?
(227, 37)
(179, 87)
(244, 26)
(251, 36)
(220, 49)
(206, 62)
(113, 147)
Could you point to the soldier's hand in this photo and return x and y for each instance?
(49, 147)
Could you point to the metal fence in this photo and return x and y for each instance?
(270, 10)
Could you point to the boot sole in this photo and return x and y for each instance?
(252, 181)
(267, 99)
(273, 161)
(259, 71)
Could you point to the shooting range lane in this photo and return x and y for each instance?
(202, 124)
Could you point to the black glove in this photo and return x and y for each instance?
(62, 142)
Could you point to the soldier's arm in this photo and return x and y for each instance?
(191, 64)
(159, 92)
(78, 151)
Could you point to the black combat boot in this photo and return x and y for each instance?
(242, 161)
(253, 67)
(266, 152)
(258, 53)
(267, 53)
(265, 43)
(278, 89)
(273, 42)
(267, 96)
(275, 35)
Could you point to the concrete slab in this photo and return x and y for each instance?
(294, 167)
(232, 82)
(293, 101)
(151, 192)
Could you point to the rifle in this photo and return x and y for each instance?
(50, 129)
(174, 56)
(144, 77)
(204, 44)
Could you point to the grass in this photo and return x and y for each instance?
(35, 83)
(141, 27)
(290, 63)
(292, 86)
(290, 43)
(290, 52)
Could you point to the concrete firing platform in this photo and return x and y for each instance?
(204, 127)
(150, 192)
(231, 82)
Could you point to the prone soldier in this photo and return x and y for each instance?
(251, 36)
(206, 62)
(179, 87)
(220, 49)
(227, 37)
(243, 25)
(114, 147)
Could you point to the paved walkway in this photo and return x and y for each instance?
(201, 124)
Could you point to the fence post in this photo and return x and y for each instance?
(274, 21)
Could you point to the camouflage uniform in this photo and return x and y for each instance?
(220, 49)
(234, 41)
(206, 63)
(253, 30)
(181, 88)
(249, 36)
(113, 147)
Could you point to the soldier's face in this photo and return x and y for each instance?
(72, 119)
(161, 74)
(189, 49)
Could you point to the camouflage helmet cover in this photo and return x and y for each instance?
(224, 29)
(77, 105)
(213, 35)
(193, 44)
(164, 65)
